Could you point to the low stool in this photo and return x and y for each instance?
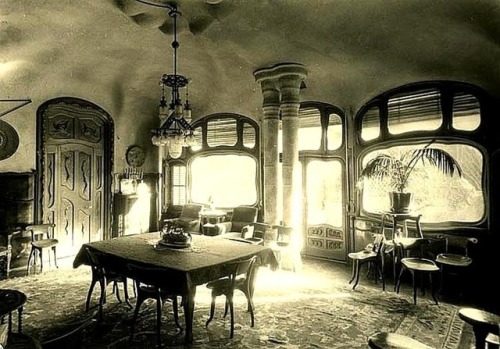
(387, 340)
(482, 323)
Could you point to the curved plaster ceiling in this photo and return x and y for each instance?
(113, 52)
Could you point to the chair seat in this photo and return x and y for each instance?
(362, 255)
(453, 259)
(45, 243)
(420, 264)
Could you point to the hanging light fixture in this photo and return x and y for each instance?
(175, 131)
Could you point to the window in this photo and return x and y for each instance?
(414, 111)
(222, 132)
(466, 112)
(334, 134)
(439, 198)
(231, 180)
(370, 128)
(178, 184)
(248, 135)
(309, 129)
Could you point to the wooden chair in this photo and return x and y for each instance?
(285, 249)
(42, 237)
(102, 274)
(241, 275)
(152, 283)
(373, 255)
(73, 338)
(419, 266)
(456, 262)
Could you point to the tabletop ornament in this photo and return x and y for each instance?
(175, 234)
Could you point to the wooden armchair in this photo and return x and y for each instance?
(242, 216)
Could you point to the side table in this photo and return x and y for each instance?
(482, 323)
(210, 218)
(11, 300)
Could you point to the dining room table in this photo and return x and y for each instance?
(203, 260)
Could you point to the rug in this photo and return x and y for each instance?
(292, 311)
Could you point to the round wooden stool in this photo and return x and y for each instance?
(386, 340)
(482, 323)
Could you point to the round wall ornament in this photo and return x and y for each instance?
(9, 140)
(135, 156)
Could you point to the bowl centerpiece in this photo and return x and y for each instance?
(174, 234)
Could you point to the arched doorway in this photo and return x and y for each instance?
(74, 166)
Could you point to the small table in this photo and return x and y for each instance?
(22, 341)
(387, 340)
(11, 300)
(482, 323)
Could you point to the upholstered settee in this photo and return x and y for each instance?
(189, 218)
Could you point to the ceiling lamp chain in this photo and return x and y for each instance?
(175, 131)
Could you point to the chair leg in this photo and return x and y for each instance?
(379, 270)
(41, 259)
(55, 255)
(125, 292)
(32, 253)
(175, 306)
(138, 303)
(433, 291)
(159, 304)
(357, 275)
(398, 284)
(116, 291)
(102, 298)
(226, 308)
(414, 287)
(353, 274)
(212, 311)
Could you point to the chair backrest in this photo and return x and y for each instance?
(73, 338)
(242, 268)
(459, 244)
(41, 231)
(243, 215)
(151, 276)
(190, 211)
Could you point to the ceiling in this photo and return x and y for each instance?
(113, 52)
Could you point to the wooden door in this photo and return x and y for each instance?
(75, 184)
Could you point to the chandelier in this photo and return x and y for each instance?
(175, 131)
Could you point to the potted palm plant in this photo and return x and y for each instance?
(398, 169)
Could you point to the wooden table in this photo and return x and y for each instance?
(198, 264)
(12, 300)
(482, 323)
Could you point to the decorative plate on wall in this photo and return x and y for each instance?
(135, 156)
(9, 140)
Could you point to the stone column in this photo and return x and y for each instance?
(281, 81)
(269, 135)
(290, 104)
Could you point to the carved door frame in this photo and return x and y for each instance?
(107, 152)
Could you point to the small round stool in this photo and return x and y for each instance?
(386, 340)
(482, 323)
(11, 300)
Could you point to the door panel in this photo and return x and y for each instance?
(74, 181)
(326, 235)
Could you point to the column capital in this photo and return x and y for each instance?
(279, 70)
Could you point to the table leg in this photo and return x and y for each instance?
(480, 335)
(189, 313)
(20, 320)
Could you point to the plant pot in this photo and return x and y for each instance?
(400, 202)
